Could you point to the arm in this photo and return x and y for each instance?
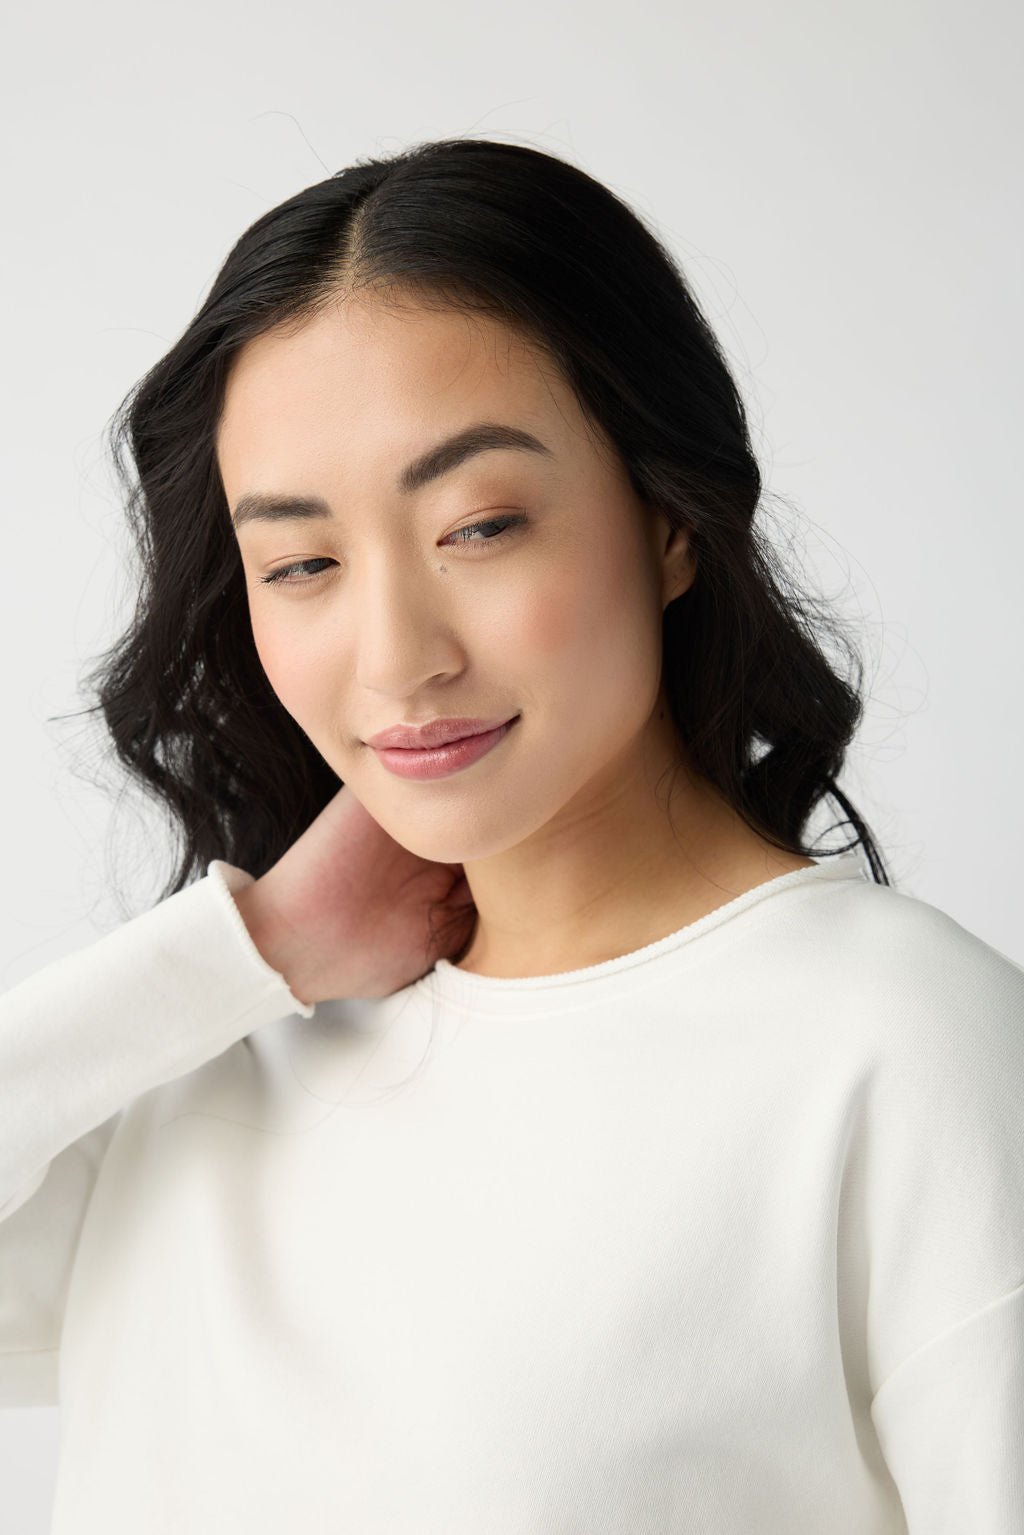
(79, 1040)
(939, 1180)
(950, 1420)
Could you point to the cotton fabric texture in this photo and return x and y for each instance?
(723, 1235)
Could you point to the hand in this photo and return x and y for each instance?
(346, 911)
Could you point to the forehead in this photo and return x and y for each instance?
(366, 383)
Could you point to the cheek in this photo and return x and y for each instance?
(292, 668)
(559, 617)
(592, 622)
(549, 626)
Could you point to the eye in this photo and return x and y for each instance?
(279, 575)
(504, 525)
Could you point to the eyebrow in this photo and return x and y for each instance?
(442, 458)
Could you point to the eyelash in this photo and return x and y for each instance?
(502, 523)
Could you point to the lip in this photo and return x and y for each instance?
(434, 733)
(442, 761)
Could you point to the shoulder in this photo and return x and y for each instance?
(894, 981)
(885, 944)
(928, 1015)
(925, 1021)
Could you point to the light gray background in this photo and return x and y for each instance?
(842, 184)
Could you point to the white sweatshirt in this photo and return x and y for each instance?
(724, 1236)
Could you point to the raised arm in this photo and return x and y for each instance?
(79, 1040)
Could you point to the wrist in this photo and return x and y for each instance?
(270, 936)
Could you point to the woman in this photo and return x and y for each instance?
(527, 1133)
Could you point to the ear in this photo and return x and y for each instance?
(678, 559)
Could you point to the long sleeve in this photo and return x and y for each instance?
(937, 1185)
(79, 1040)
(950, 1421)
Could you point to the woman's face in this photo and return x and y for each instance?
(402, 615)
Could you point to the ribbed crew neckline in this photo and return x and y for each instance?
(564, 990)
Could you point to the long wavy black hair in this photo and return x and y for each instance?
(514, 233)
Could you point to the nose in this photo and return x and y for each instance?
(405, 631)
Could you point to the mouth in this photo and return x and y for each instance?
(443, 760)
(438, 732)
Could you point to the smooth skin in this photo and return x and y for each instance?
(568, 840)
